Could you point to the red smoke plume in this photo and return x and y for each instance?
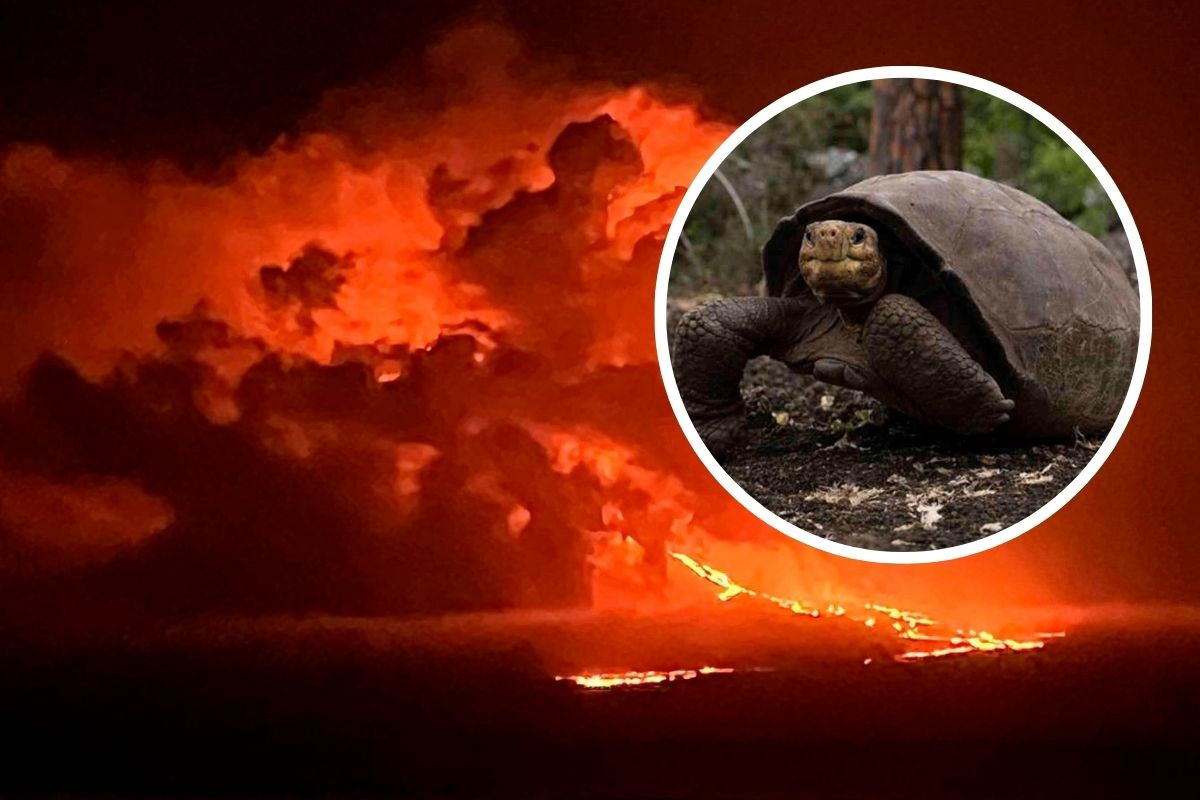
(404, 366)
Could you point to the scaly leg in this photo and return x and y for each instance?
(918, 358)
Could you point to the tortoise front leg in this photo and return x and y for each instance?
(713, 344)
(918, 358)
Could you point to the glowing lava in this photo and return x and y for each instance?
(634, 678)
(910, 626)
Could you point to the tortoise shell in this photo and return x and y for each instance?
(1048, 303)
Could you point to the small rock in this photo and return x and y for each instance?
(991, 527)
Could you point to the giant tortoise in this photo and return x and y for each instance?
(951, 298)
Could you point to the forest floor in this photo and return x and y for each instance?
(838, 464)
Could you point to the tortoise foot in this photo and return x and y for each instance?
(720, 434)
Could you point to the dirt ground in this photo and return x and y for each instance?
(839, 464)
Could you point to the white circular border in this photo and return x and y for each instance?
(685, 209)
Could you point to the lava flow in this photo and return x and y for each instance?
(907, 625)
(634, 678)
(889, 621)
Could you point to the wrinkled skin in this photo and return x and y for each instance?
(849, 332)
(841, 262)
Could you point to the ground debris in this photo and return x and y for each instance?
(849, 493)
(927, 506)
(847, 467)
(1035, 477)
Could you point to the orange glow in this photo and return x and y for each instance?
(396, 214)
(634, 678)
(907, 625)
(527, 228)
(904, 626)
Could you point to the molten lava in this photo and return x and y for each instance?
(635, 678)
(907, 625)
(895, 624)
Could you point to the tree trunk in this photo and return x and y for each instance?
(915, 124)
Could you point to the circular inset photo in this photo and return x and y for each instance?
(903, 314)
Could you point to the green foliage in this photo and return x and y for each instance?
(1002, 142)
(789, 160)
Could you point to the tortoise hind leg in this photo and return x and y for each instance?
(916, 356)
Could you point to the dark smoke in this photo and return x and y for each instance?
(297, 501)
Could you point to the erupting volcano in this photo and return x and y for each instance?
(402, 366)
(369, 422)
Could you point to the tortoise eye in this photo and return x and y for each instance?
(859, 235)
(808, 236)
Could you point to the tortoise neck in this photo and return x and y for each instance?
(854, 317)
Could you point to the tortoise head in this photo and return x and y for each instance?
(841, 262)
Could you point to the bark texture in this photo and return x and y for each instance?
(915, 124)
